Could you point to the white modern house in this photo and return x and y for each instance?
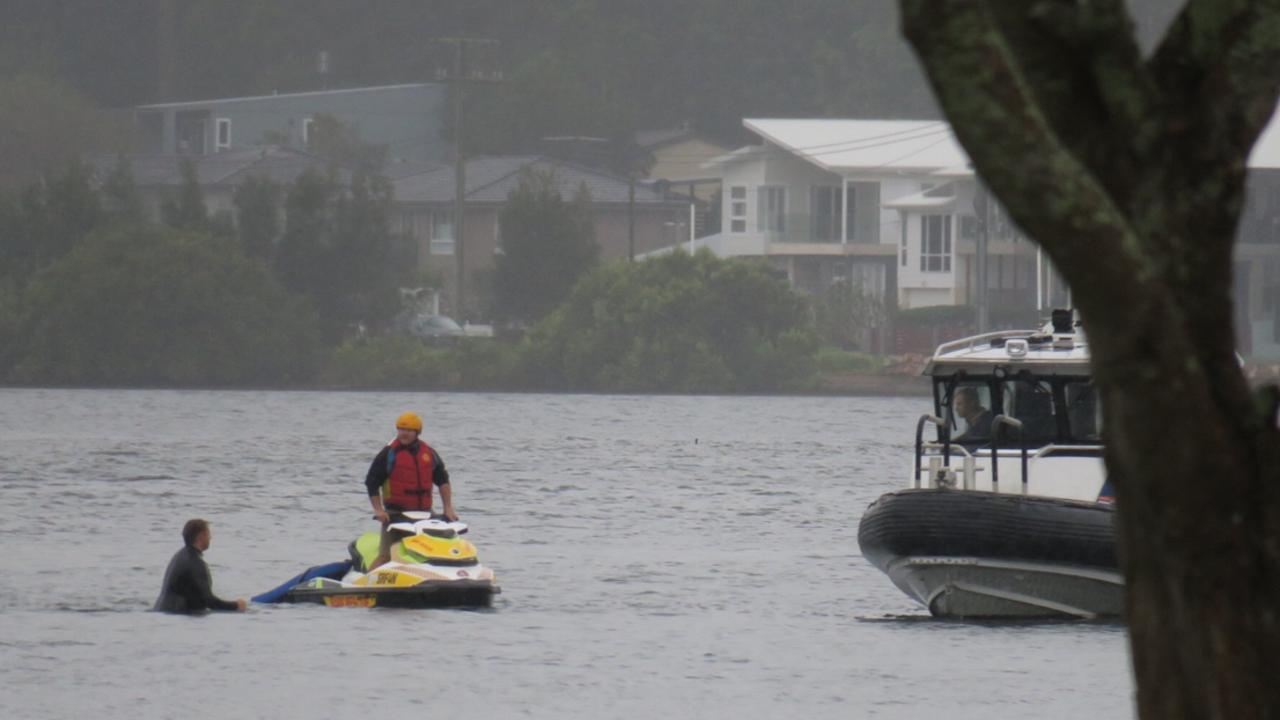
(890, 205)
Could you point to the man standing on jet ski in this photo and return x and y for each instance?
(400, 479)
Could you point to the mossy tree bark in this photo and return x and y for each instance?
(1129, 172)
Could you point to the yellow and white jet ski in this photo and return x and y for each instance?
(431, 566)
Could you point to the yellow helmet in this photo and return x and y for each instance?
(409, 421)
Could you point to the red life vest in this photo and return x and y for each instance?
(409, 476)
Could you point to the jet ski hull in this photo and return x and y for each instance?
(451, 593)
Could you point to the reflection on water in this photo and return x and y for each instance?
(670, 556)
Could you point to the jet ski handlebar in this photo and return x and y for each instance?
(424, 523)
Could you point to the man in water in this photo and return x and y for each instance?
(400, 479)
(187, 586)
(977, 419)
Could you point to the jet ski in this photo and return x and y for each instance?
(431, 566)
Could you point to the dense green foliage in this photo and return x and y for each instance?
(406, 363)
(677, 323)
(845, 315)
(45, 124)
(158, 306)
(337, 249)
(44, 221)
(547, 244)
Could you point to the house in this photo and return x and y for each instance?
(679, 156)
(405, 118)
(159, 177)
(424, 207)
(1257, 252)
(889, 205)
(895, 207)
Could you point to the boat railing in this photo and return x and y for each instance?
(999, 423)
(970, 343)
(942, 432)
(939, 470)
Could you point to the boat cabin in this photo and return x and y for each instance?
(1008, 402)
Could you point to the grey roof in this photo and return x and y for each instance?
(278, 96)
(650, 139)
(279, 164)
(491, 179)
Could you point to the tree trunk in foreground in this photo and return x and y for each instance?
(1129, 172)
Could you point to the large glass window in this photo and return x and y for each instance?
(935, 243)
(772, 209)
(831, 213)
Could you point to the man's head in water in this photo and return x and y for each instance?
(196, 534)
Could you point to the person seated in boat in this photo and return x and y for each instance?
(187, 585)
(400, 479)
(977, 419)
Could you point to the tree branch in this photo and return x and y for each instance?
(1216, 68)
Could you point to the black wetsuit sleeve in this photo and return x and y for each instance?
(439, 475)
(204, 586)
(377, 473)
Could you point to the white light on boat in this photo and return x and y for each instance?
(1016, 348)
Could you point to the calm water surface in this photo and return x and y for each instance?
(666, 557)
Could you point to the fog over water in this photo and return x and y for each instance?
(676, 557)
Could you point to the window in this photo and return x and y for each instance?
(442, 238)
(1084, 413)
(223, 130)
(935, 243)
(738, 209)
(826, 207)
(968, 413)
(772, 209)
(1031, 402)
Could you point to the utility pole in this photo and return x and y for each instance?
(166, 50)
(457, 78)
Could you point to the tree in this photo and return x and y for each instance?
(1130, 172)
(45, 220)
(336, 249)
(186, 210)
(547, 244)
(677, 323)
(155, 305)
(121, 200)
(845, 315)
(340, 144)
(257, 202)
(44, 125)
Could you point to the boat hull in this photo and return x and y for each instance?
(452, 593)
(975, 554)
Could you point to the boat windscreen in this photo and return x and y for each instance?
(1084, 412)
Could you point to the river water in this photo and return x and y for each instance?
(671, 557)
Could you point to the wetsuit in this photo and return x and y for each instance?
(188, 587)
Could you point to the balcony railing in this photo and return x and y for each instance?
(806, 228)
